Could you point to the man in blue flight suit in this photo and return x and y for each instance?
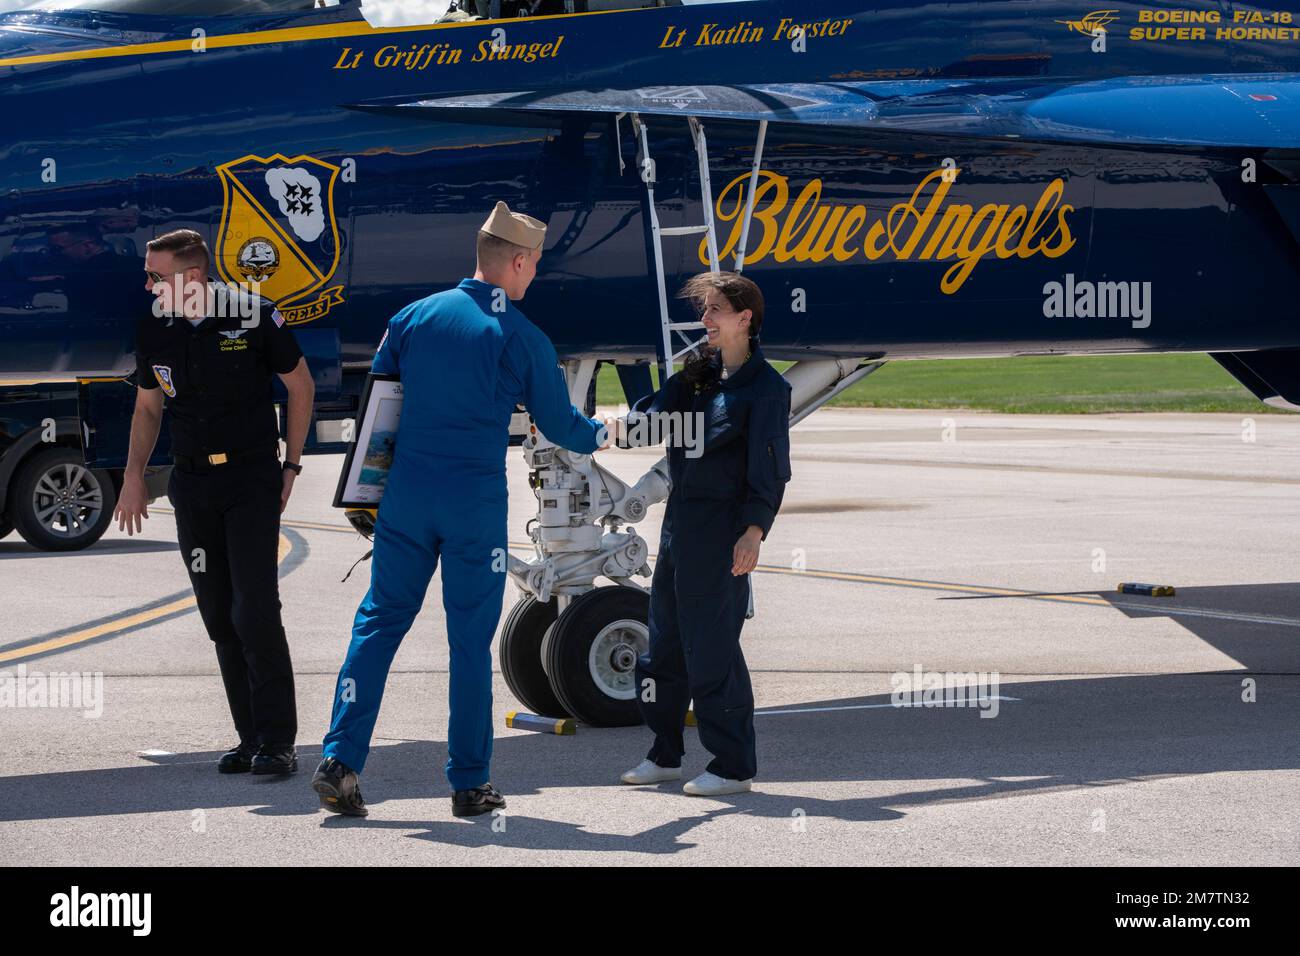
(466, 357)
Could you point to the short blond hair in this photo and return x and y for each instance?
(493, 250)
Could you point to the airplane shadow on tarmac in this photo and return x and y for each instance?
(1055, 735)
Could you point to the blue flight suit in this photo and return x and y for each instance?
(697, 606)
(464, 366)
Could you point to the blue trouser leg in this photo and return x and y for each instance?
(405, 557)
(664, 701)
(472, 522)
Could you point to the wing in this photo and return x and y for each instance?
(1259, 111)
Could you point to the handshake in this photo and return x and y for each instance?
(637, 429)
(613, 429)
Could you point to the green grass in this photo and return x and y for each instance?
(1187, 382)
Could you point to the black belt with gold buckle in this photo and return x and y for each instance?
(208, 462)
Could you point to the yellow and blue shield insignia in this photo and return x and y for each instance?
(164, 375)
(279, 230)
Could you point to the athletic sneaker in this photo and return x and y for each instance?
(711, 785)
(647, 771)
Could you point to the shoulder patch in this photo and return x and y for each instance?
(164, 375)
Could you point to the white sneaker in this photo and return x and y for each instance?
(647, 771)
(711, 785)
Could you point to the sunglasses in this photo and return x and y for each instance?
(156, 277)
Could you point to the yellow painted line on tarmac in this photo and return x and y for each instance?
(935, 585)
(122, 623)
(90, 633)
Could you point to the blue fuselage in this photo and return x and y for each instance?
(116, 129)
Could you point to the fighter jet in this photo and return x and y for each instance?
(902, 179)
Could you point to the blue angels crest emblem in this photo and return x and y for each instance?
(279, 231)
(164, 375)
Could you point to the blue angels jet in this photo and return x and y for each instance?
(903, 179)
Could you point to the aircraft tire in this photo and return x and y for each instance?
(520, 652)
(591, 653)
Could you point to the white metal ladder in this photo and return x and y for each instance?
(645, 163)
(708, 228)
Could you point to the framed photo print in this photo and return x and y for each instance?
(370, 455)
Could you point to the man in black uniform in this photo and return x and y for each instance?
(212, 350)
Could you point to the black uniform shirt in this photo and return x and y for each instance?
(746, 440)
(217, 375)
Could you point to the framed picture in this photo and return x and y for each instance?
(370, 455)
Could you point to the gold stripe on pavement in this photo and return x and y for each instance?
(117, 624)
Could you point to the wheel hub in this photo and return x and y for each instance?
(67, 500)
(622, 658)
(613, 655)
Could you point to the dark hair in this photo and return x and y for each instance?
(703, 367)
(185, 245)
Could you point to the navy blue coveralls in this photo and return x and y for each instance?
(464, 366)
(697, 607)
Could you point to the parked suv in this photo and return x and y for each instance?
(48, 494)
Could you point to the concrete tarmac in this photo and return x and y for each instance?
(1128, 730)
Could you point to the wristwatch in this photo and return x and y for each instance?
(292, 466)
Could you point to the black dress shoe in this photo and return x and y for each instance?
(274, 758)
(237, 759)
(470, 803)
(339, 788)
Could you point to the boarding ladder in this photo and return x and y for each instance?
(668, 356)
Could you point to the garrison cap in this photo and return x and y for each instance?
(515, 227)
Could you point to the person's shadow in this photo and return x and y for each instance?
(1054, 735)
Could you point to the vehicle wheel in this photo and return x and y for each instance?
(58, 504)
(6, 526)
(591, 653)
(521, 656)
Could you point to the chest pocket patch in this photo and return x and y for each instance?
(722, 415)
(164, 375)
(234, 341)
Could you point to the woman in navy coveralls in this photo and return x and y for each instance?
(722, 505)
